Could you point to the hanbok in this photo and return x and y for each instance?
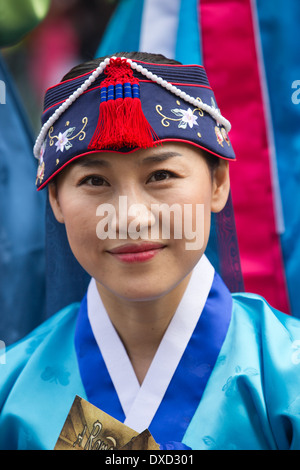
(225, 376)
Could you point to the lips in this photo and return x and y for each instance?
(136, 248)
(136, 253)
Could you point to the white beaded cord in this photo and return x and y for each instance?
(214, 112)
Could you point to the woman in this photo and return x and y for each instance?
(158, 342)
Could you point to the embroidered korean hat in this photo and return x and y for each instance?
(124, 105)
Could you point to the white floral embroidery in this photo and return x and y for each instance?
(187, 118)
(295, 357)
(63, 142)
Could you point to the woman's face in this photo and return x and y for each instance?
(139, 222)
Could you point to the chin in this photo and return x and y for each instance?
(136, 293)
(141, 295)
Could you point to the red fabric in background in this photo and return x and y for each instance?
(231, 62)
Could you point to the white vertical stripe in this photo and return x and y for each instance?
(159, 27)
(112, 349)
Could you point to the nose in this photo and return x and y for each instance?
(127, 216)
(133, 217)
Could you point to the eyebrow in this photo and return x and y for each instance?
(88, 162)
(161, 157)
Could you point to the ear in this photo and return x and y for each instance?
(54, 202)
(221, 186)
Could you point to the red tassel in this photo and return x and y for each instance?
(121, 121)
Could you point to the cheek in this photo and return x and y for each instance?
(80, 222)
(197, 211)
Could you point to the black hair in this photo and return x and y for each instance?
(212, 160)
(142, 56)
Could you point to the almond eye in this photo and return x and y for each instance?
(161, 175)
(94, 180)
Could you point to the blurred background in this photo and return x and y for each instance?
(67, 32)
(250, 49)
